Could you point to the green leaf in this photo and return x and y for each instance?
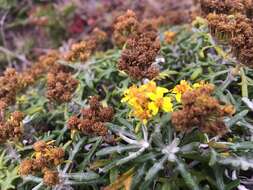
(188, 178)
(86, 176)
(152, 172)
(6, 183)
(118, 149)
(236, 118)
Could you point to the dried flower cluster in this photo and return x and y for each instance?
(125, 26)
(46, 158)
(202, 110)
(44, 64)
(12, 128)
(60, 83)
(91, 120)
(12, 82)
(142, 46)
(137, 60)
(235, 30)
(9, 85)
(227, 7)
(60, 86)
(82, 51)
(185, 86)
(147, 100)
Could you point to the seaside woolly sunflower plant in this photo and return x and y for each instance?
(195, 127)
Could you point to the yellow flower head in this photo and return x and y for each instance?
(199, 84)
(158, 101)
(169, 36)
(147, 100)
(180, 89)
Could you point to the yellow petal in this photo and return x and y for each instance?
(144, 121)
(153, 108)
(125, 99)
(167, 105)
(160, 91)
(178, 97)
(196, 85)
(152, 96)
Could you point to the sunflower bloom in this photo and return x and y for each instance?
(169, 36)
(147, 100)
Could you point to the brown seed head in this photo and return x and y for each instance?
(26, 167)
(51, 178)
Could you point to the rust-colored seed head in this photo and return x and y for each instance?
(85, 126)
(61, 86)
(46, 156)
(17, 116)
(9, 86)
(94, 103)
(140, 53)
(12, 128)
(73, 122)
(13, 82)
(201, 110)
(40, 163)
(91, 120)
(57, 155)
(125, 26)
(81, 51)
(51, 178)
(222, 6)
(230, 22)
(106, 114)
(26, 167)
(88, 113)
(99, 129)
(40, 146)
(98, 35)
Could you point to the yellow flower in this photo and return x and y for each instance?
(199, 84)
(159, 102)
(180, 89)
(146, 100)
(169, 36)
(148, 87)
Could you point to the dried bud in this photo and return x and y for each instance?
(58, 155)
(201, 110)
(125, 26)
(40, 146)
(26, 167)
(94, 103)
(106, 114)
(51, 178)
(99, 129)
(60, 86)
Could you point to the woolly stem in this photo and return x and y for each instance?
(230, 78)
(33, 179)
(73, 153)
(244, 83)
(37, 187)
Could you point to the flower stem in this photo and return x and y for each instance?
(244, 83)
